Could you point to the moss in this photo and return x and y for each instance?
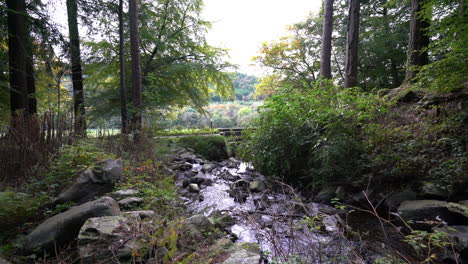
(210, 147)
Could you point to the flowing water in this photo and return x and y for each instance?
(275, 218)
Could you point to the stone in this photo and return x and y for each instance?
(243, 253)
(103, 238)
(63, 228)
(432, 190)
(459, 237)
(420, 210)
(189, 157)
(325, 195)
(101, 228)
(196, 227)
(93, 182)
(3, 261)
(130, 202)
(458, 209)
(184, 166)
(257, 186)
(207, 168)
(120, 194)
(395, 199)
(226, 175)
(143, 214)
(194, 187)
(221, 220)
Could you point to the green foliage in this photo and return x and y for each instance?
(210, 147)
(70, 160)
(313, 136)
(427, 244)
(448, 48)
(17, 209)
(156, 186)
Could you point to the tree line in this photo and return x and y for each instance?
(136, 57)
(373, 45)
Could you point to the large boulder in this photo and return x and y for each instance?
(421, 210)
(394, 200)
(62, 228)
(93, 182)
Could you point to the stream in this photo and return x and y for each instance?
(269, 214)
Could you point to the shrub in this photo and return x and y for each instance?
(17, 209)
(210, 147)
(312, 136)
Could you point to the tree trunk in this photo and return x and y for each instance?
(16, 10)
(123, 90)
(136, 66)
(30, 77)
(325, 58)
(418, 41)
(352, 45)
(77, 78)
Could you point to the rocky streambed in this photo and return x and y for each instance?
(241, 202)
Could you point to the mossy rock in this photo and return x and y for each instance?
(210, 147)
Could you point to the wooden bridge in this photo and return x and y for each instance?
(229, 132)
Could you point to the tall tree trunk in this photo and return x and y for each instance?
(123, 90)
(16, 10)
(77, 78)
(352, 44)
(136, 66)
(325, 58)
(418, 41)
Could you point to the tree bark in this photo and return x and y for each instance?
(16, 10)
(325, 58)
(77, 78)
(136, 66)
(352, 45)
(123, 90)
(418, 41)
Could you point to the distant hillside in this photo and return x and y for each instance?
(244, 87)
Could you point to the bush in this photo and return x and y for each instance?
(17, 209)
(210, 147)
(311, 136)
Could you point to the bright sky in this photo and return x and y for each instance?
(242, 25)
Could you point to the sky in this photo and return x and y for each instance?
(242, 25)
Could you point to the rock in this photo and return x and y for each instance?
(239, 190)
(185, 183)
(62, 228)
(459, 237)
(207, 168)
(101, 228)
(458, 209)
(389, 260)
(361, 196)
(226, 175)
(144, 214)
(325, 195)
(93, 182)
(130, 202)
(184, 166)
(194, 187)
(394, 200)
(189, 157)
(102, 238)
(432, 190)
(221, 220)
(3, 261)
(257, 186)
(464, 202)
(120, 194)
(243, 253)
(196, 227)
(166, 171)
(420, 210)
